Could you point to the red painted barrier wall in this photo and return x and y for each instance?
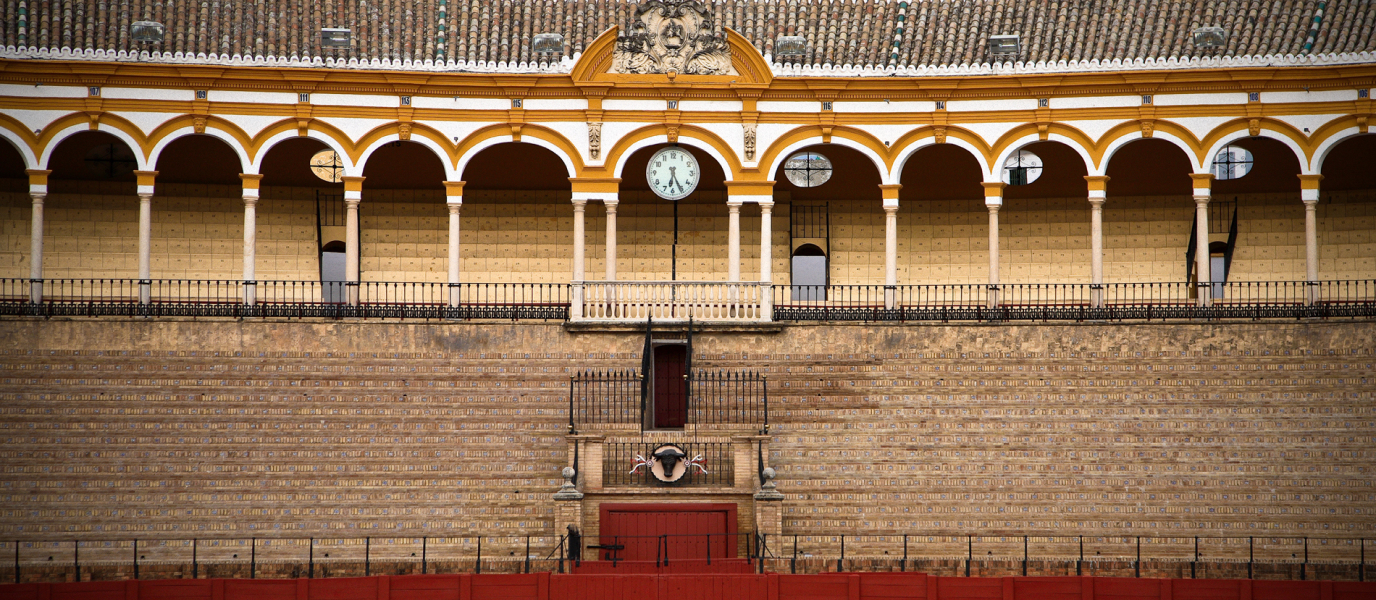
(700, 586)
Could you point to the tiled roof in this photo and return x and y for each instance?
(841, 33)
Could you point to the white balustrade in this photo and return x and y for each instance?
(702, 301)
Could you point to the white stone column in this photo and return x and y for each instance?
(993, 200)
(1309, 194)
(1203, 281)
(353, 195)
(251, 183)
(733, 241)
(610, 204)
(38, 191)
(1098, 193)
(454, 201)
(145, 192)
(766, 261)
(890, 196)
(579, 243)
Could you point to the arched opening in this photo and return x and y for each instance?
(1149, 214)
(1044, 234)
(517, 219)
(299, 212)
(809, 273)
(672, 240)
(943, 232)
(198, 211)
(403, 222)
(15, 213)
(91, 214)
(842, 216)
(1257, 212)
(1347, 210)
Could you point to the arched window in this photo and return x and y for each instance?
(809, 273)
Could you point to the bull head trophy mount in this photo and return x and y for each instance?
(669, 463)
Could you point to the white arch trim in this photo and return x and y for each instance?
(994, 174)
(1266, 133)
(1321, 153)
(61, 136)
(350, 170)
(884, 176)
(1124, 140)
(450, 174)
(25, 152)
(219, 134)
(908, 151)
(664, 139)
(505, 139)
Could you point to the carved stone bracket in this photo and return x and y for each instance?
(940, 134)
(595, 140)
(404, 131)
(198, 123)
(1254, 127)
(749, 140)
(1148, 127)
(672, 134)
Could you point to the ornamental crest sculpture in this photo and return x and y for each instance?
(677, 36)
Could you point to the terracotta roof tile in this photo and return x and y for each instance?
(840, 32)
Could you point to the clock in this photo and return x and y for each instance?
(673, 173)
(326, 165)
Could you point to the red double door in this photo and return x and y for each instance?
(683, 531)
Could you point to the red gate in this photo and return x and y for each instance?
(668, 531)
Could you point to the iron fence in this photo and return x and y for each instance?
(288, 299)
(968, 554)
(611, 397)
(716, 460)
(715, 399)
(725, 398)
(1078, 302)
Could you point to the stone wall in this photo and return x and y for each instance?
(216, 429)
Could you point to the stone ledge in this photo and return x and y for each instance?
(775, 327)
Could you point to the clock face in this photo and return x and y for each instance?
(326, 165)
(673, 173)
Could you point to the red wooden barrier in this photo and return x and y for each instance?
(699, 586)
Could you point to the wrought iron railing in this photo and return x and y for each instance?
(233, 298)
(703, 301)
(1271, 557)
(613, 399)
(1077, 302)
(717, 464)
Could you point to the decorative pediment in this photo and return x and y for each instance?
(672, 36)
(599, 59)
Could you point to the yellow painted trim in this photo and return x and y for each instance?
(1135, 127)
(1323, 132)
(889, 191)
(597, 59)
(749, 188)
(38, 176)
(290, 124)
(613, 156)
(807, 132)
(352, 184)
(527, 129)
(1243, 124)
(146, 177)
(417, 129)
(596, 185)
(177, 123)
(454, 189)
(1073, 133)
(952, 131)
(106, 120)
(1202, 181)
(251, 180)
(1310, 182)
(993, 189)
(1097, 183)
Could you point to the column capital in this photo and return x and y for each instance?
(579, 204)
(251, 180)
(889, 193)
(454, 207)
(750, 188)
(1201, 201)
(1097, 186)
(250, 201)
(38, 180)
(1309, 187)
(1096, 203)
(145, 181)
(352, 203)
(993, 189)
(352, 183)
(610, 204)
(595, 185)
(734, 204)
(453, 191)
(993, 208)
(1202, 183)
(890, 209)
(766, 206)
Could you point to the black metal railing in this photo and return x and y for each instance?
(1271, 557)
(716, 460)
(291, 299)
(727, 398)
(610, 397)
(1077, 302)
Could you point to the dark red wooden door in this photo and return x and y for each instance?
(685, 531)
(671, 398)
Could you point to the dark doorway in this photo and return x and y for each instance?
(671, 391)
(685, 531)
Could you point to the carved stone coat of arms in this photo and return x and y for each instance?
(672, 36)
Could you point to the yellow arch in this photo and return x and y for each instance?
(174, 124)
(50, 131)
(1073, 133)
(505, 129)
(1129, 127)
(1304, 142)
(689, 131)
(290, 124)
(417, 129)
(901, 144)
(806, 132)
